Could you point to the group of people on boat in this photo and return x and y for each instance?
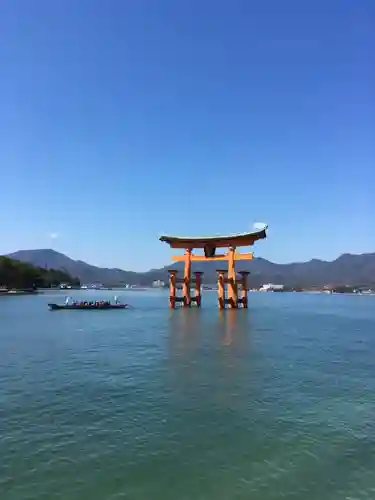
(91, 303)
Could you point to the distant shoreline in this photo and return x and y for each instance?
(12, 293)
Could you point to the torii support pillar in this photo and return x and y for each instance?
(172, 288)
(221, 288)
(244, 289)
(197, 289)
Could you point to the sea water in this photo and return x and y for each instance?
(273, 402)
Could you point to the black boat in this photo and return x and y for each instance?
(88, 307)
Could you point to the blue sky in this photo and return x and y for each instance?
(120, 120)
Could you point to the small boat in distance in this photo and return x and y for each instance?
(84, 305)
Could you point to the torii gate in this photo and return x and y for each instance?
(209, 244)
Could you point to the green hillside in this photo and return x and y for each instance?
(15, 274)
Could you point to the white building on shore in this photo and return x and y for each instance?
(158, 284)
(271, 287)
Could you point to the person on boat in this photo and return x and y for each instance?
(67, 301)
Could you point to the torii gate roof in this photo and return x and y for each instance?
(222, 241)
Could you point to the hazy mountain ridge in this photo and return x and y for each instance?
(348, 269)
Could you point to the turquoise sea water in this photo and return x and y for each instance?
(276, 402)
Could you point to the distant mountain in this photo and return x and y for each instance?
(49, 258)
(347, 269)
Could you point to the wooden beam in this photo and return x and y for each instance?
(197, 258)
(200, 258)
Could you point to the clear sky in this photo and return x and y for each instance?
(123, 119)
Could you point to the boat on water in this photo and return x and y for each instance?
(97, 305)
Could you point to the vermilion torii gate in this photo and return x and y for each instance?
(226, 295)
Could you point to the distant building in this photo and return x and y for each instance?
(271, 287)
(158, 283)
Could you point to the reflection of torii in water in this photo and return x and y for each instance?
(209, 244)
(229, 320)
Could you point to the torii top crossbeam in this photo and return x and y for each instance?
(232, 240)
